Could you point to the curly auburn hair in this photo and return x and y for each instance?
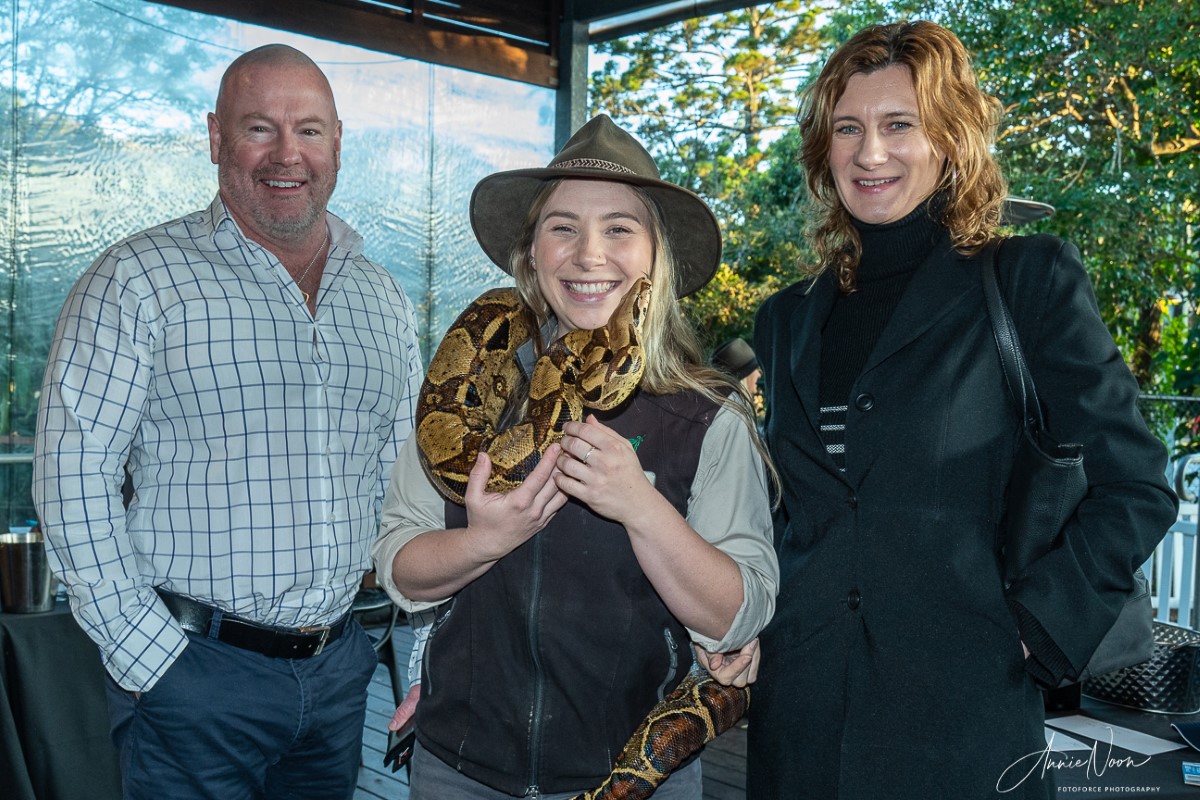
(957, 116)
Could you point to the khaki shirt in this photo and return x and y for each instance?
(728, 506)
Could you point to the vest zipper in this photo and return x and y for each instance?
(539, 690)
(426, 673)
(673, 664)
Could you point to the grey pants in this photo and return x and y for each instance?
(434, 780)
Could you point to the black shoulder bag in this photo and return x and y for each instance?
(1046, 486)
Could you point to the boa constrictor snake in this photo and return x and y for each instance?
(462, 399)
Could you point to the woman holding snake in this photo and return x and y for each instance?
(573, 558)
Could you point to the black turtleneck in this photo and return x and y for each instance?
(891, 254)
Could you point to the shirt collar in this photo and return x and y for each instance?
(341, 235)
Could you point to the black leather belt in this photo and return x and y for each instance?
(274, 642)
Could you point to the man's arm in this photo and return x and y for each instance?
(95, 387)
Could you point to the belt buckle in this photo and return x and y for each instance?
(324, 630)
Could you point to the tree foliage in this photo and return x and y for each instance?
(1102, 101)
(1102, 121)
(78, 76)
(710, 98)
(85, 64)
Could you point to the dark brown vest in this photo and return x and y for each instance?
(537, 673)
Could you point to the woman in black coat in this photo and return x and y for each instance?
(897, 664)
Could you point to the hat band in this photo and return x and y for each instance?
(592, 163)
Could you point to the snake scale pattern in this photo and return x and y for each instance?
(459, 409)
(475, 369)
(698, 711)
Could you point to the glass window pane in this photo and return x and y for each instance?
(103, 134)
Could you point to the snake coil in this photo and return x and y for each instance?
(466, 389)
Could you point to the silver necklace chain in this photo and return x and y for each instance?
(308, 269)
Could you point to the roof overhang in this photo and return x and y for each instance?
(516, 39)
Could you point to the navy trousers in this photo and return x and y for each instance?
(229, 724)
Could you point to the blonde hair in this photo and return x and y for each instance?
(958, 117)
(674, 358)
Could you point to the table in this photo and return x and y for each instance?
(1159, 777)
(54, 740)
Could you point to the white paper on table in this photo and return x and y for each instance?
(1105, 732)
(1059, 742)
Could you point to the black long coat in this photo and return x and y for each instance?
(893, 666)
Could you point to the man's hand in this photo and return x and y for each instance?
(738, 668)
(405, 714)
(402, 731)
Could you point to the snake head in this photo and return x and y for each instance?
(638, 300)
(614, 361)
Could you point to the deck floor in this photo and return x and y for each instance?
(724, 761)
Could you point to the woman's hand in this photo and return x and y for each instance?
(699, 584)
(438, 563)
(600, 468)
(499, 523)
(738, 669)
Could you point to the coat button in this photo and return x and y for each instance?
(852, 501)
(864, 402)
(854, 599)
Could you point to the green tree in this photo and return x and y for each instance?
(711, 98)
(1102, 121)
(1102, 101)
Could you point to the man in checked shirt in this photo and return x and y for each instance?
(255, 374)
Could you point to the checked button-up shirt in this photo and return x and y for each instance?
(258, 436)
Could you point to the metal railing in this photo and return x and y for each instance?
(1174, 419)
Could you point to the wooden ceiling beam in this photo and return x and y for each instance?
(403, 34)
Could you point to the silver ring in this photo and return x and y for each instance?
(587, 455)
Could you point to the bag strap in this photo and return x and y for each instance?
(1012, 358)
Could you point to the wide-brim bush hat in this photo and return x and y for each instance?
(735, 357)
(601, 150)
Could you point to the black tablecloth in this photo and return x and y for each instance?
(1123, 774)
(54, 742)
